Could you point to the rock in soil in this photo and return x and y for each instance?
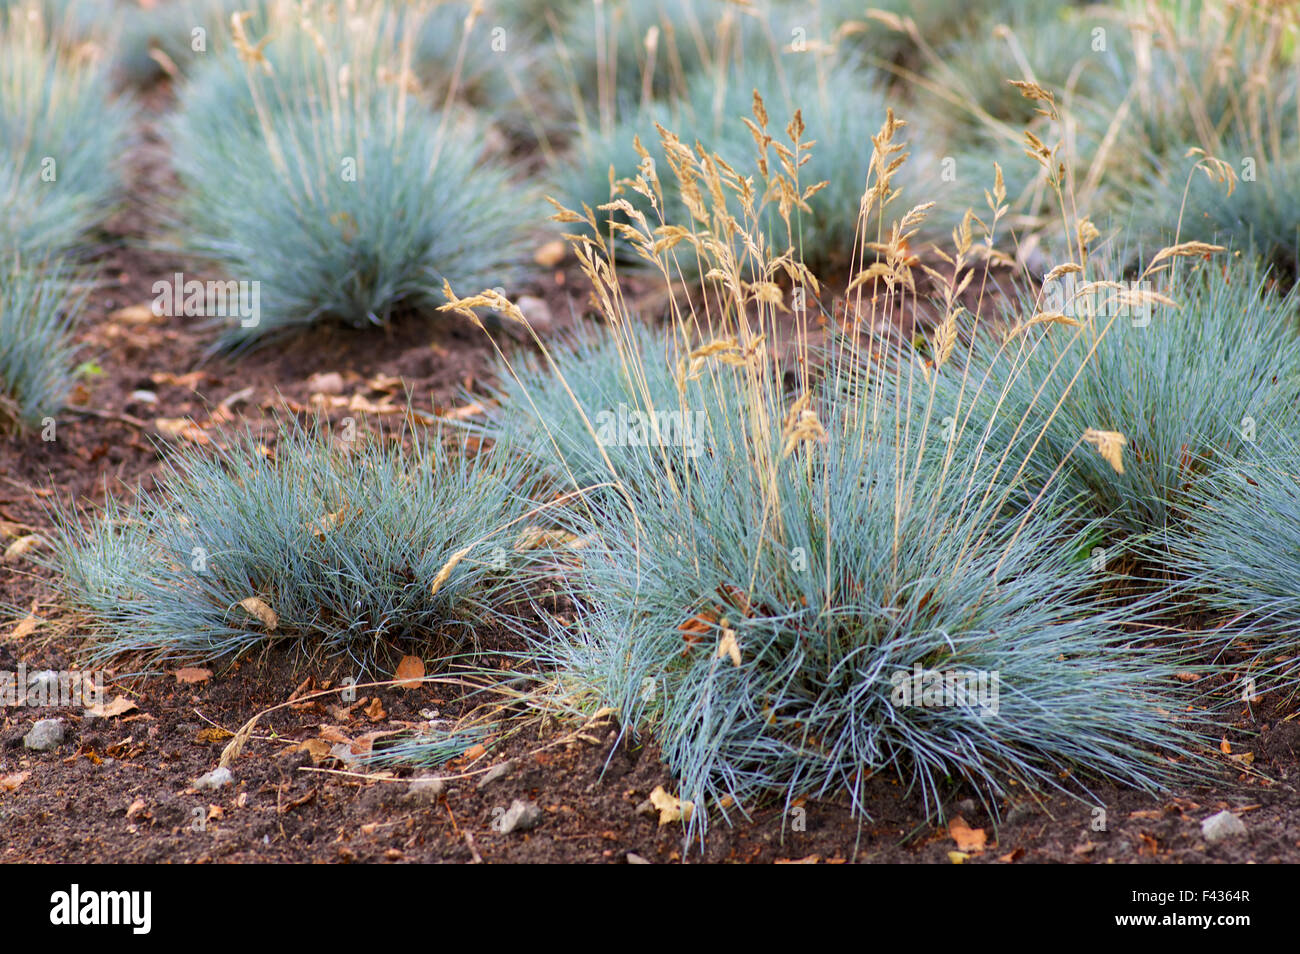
(46, 735)
(425, 791)
(520, 816)
(1222, 826)
(214, 780)
(495, 773)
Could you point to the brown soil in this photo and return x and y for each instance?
(119, 789)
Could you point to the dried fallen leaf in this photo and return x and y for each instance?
(327, 523)
(478, 750)
(191, 676)
(135, 315)
(967, 838)
(375, 711)
(409, 672)
(1012, 856)
(136, 808)
(550, 254)
(20, 547)
(108, 710)
(10, 782)
(809, 860)
(258, 608)
(318, 749)
(670, 807)
(727, 646)
(25, 627)
(958, 857)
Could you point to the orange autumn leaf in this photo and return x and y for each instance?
(191, 676)
(409, 672)
(968, 839)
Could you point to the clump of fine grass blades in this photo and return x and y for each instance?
(38, 308)
(316, 169)
(354, 548)
(758, 605)
(1181, 365)
(61, 139)
(1241, 552)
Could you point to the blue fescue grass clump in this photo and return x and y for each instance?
(1241, 552)
(62, 136)
(841, 107)
(589, 428)
(354, 548)
(38, 309)
(1258, 209)
(763, 600)
(337, 189)
(153, 40)
(1185, 386)
(762, 616)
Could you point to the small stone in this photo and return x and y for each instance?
(967, 806)
(425, 791)
(634, 859)
(43, 685)
(495, 773)
(214, 780)
(520, 816)
(142, 397)
(537, 312)
(45, 736)
(325, 382)
(648, 809)
(1222, 826)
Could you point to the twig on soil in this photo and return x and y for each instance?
(469, 842)
(108, 415)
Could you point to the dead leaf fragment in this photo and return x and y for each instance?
(968, 839)
(409, 672)
(108, 710)
(25, 627)
(375, 711)
(728, 647)
(135, 315)
(136, 808)
(10, 782)
(191, 676)
(670, 807)
(258, 608)
(550, 254)
(20, 547)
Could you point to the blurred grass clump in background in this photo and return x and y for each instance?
(62, 140)
(312, 163)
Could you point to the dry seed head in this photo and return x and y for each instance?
(945, 338)
(1185, 250)
(1215, 169)
(1035, 93)
(447, 567)
(1044, 318)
